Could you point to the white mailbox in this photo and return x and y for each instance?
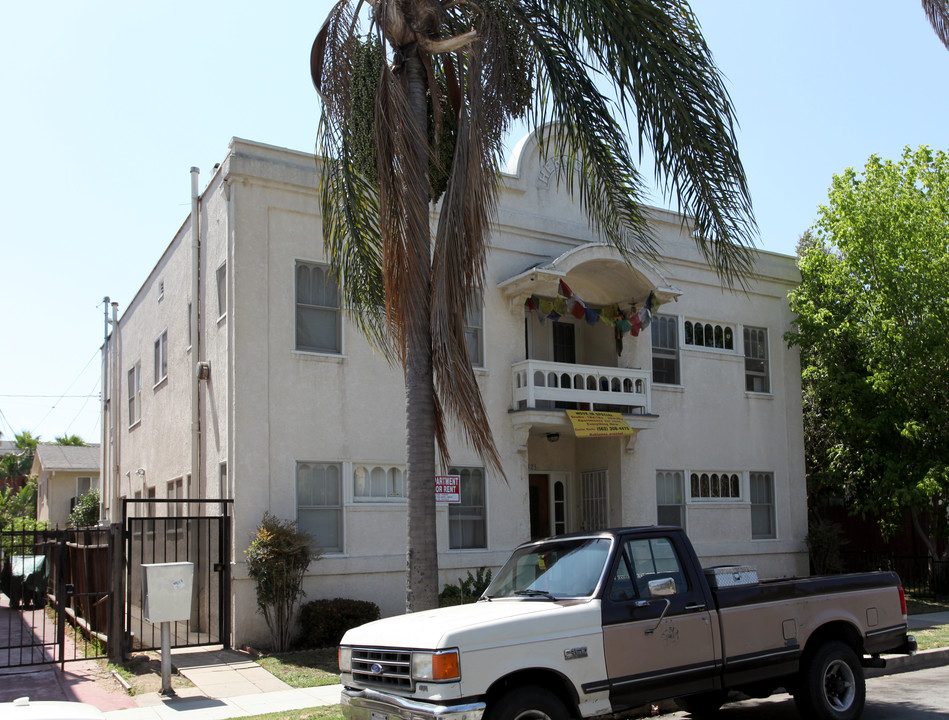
(166, 591)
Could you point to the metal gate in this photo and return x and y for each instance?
(55, 601)
(159, 530)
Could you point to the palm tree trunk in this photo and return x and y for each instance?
(421, 592)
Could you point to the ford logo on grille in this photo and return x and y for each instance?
(376, 668)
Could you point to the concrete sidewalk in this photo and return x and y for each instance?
(227, 684)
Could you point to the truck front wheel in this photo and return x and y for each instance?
(831, 684)
(528, 703)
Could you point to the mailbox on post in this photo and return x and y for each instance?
(166, 591)
(166, 598)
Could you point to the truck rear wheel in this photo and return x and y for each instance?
(528, 703)
(831, 684)
(703, 705)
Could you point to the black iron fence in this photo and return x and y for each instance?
(922, 576)
(55, 595)
(159, 531)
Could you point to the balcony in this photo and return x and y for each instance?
(539, 384)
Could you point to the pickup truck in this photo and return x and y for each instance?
(596, 623)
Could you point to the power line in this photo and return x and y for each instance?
(61, 397)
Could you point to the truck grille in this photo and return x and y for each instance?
(383, 668)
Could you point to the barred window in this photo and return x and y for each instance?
(379, 483)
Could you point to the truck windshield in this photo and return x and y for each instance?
(553, 570)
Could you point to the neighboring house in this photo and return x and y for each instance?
(297, 415)
(63, 473)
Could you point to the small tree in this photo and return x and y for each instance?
(86, 511)
(277, 559)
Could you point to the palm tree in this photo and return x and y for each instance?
(938, 13)
(418, 96)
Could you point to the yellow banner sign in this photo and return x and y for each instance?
(598, 424)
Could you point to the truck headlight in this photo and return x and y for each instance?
(438, 666)
(345, 659)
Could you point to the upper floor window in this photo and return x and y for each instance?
(135, 393)
(715, 486)
(474, 332)
(317, 309)
(377, 483)
(757, 375)
(698, 334)
(222, 289)
(320, 504)
(161, 357)
(665, 350)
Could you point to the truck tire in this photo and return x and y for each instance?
(831, 685)
(703, 705)
(528, 703)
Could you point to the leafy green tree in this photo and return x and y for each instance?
(17, 464)
(17, 504)
(873, 328)
(418, 96)
(70, 440)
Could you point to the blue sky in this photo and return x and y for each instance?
(108, 105)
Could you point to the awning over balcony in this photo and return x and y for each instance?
(597, 273)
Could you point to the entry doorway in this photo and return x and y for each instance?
(548, 504)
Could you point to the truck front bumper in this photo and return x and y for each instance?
(375, 705)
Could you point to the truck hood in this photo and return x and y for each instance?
(482, 623)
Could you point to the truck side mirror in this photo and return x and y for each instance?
(663, 587)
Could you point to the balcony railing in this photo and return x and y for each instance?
(539, 384)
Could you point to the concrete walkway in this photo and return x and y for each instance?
(227, 684)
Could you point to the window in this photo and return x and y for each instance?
(756, 360)
(319, 504)
(665, 350)
(175, 491)
(721, 337)
(85, 484)
(161, 357)
(135, 394)
(762, 506)
(670, 498)
(642, 561)
(378, 483)
(474, 332)
(715, 486)
(222, 289)
(317, 309)
(466, 520)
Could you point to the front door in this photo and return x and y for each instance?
(658, 637)
(539, 490)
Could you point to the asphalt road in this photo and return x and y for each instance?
(919, 695)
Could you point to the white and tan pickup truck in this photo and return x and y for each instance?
(596, 623)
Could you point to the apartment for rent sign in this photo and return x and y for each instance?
(448, 488)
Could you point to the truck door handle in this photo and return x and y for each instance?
(694, 607)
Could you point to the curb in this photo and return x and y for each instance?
(922, 660)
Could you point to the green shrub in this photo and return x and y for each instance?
(86, 511)
(467, 590)
(277, 559)
(324, 622)
(20, 535)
